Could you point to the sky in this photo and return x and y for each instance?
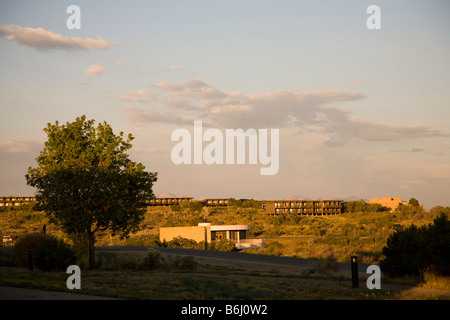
(361, 112)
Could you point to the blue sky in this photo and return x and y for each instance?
(361, 113)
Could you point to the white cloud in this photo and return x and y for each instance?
(95, 69)
(304, 110)
(175, 68)
(139, 96)
(15, 146)
(45, 40)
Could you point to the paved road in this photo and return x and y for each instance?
(310, 263)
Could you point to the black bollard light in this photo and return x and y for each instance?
(354, 264)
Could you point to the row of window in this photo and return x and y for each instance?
(307, 211)
(8, 199)
(307, 204)
(234, 235)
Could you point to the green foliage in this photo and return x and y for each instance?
(180, 242)
(48, 252)
(413, 202)
(327, 266)
(234, 202)
(274, 248)
(409, 211)
(54, 255)
(186, 263)
(153, 261)
(251, 204)
(222, 245)
(175, 208)
(194, 206)
(361, 206)
(86, 182)
(26, 243)
(439, 210)
(415, 250)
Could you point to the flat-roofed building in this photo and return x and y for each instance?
(207, 232)
(304, 207)
(16, 201)
(216, 202)
(167, 201)
(389, 202)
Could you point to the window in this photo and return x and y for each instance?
(218, 235)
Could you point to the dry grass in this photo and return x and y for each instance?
(329, 237)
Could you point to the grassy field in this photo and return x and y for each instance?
(335, 238)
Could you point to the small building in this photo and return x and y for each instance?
(207, 232)
(389, 202)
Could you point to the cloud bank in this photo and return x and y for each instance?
(307, 111)
(44, 40)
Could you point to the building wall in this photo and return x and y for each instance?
(389, 202)
(196, 233)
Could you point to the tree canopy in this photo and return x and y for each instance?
(86, 182)
(415, 250)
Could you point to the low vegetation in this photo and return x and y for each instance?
(331, 238)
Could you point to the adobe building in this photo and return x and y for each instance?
(389, 202)
(304, 207)
(208, 232)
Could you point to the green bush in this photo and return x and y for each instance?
(415, 250)
(274, 248)
(54, 255)
(187, 263)
(48, 252)
(30, 242)
(327, 266)
(152, 261)
(221, 245)
(180, 242)
(361, 206)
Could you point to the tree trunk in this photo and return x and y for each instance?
(91, 250)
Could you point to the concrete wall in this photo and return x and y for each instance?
(196, 233)
(389, 202)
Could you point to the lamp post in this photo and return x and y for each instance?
(354, 264)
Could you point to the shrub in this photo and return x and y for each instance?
(30, 242)
(7, 257)
(180, 242)
(54, 255)
(107, 260)
(274, 248)
(221, 245)
(187, 263)
(414, 251)
(327, 266)
(152, 261)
